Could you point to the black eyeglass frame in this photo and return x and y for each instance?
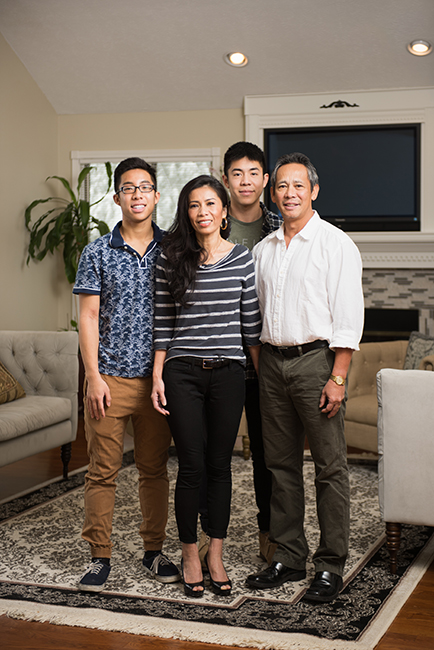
(137, 187)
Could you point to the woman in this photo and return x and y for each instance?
(205, 305)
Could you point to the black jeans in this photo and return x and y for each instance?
(205, 410)
(261, 475)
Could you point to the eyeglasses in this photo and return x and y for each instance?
(145, 188)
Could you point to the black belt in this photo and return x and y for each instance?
(297, 350)
(207, 364)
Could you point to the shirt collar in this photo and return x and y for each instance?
(117, 241)
(306, 233)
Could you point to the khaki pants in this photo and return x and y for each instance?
(290, 391)
(130, 397)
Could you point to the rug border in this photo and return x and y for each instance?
(218, 635)
(180, 630)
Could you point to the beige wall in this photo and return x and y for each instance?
(36, 143)
(28, 154)
(141, 131)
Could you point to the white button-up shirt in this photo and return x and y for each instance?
(311, 289)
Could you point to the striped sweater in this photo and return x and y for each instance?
(222, 310)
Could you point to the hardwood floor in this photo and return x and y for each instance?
(413, 628)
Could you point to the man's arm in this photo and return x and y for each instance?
(98, 393)
(333, 395)
(255, 351)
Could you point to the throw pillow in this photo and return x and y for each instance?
(10, 388)
(419, 346)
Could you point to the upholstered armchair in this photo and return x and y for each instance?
(406, 451)
(361, 408)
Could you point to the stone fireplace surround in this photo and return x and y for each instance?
(388, 288)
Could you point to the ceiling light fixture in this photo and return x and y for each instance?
(419, 48)
(237, 59)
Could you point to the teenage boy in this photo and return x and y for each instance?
(250, 221)
(115, 282)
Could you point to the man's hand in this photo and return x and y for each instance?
(332, 397)
(97, 397)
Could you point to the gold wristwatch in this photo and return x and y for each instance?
(340, 381)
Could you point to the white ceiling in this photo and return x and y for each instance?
(111, 56)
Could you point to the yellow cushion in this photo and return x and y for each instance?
(10, 388)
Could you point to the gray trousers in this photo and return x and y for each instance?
(290, 391)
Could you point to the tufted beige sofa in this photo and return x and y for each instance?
(46, 365)
(361, 410)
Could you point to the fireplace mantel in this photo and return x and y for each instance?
(396, 250)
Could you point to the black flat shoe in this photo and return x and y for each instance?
(324, 587)
(274, 576)
(216, 586)
(189, 587)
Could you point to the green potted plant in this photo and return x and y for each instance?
(67, 225)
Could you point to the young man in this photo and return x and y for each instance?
(115, 282)
(245, 177)
(309, 284)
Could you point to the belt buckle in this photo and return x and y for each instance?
(205, 363)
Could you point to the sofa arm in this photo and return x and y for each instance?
(405, 446)
(427, 363)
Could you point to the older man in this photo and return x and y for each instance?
(310, 294)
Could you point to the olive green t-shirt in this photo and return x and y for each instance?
(247, 234)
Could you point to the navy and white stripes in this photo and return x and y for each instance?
(222, 310)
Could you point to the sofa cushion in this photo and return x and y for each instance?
(419, 346)
(362, 409)
(32, 413)
(10, 388)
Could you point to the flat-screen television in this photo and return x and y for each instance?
(369, 176)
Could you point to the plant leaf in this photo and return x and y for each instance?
(108, 169)
(84, 213)
(102, 227)
(67, 187)
(33, 205)
(83, 174)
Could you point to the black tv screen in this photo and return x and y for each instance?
(369, 176)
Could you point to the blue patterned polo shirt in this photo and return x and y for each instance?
(125, 282)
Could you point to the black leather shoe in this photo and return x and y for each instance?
(274, 576)
(324, 587)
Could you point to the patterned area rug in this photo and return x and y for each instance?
(42, 556)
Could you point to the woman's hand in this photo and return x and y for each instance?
(158, 396)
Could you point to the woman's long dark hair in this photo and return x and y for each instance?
(180, 246)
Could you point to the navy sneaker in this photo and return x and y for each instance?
(95, 576)
(161, 568)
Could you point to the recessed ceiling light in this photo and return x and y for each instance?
(236, 59)
(419, 48)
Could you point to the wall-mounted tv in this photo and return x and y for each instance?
(369, 175)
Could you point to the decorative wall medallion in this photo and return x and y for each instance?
(340, 103)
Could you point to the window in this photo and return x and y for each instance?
(174, 169)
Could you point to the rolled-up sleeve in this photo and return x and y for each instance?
(344, 288)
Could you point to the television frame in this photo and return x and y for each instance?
(363, 222)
